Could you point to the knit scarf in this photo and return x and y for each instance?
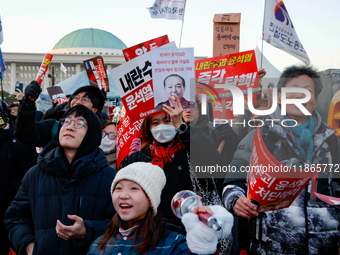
(161, 156)
(304, 139)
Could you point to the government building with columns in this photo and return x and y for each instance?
(71, 51)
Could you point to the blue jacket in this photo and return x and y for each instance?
(50, 191)
(172, 243)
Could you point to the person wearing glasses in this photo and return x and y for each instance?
(109, 143)
(39, 134)
(64, 202)
(89, 96)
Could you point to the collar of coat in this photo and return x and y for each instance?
(51, 161)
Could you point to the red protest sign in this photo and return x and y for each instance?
(271, 185)
(127, 131)
(329, 200)
(43, 68)
(57, 95)
(96, 72)
(140, 49)
(238, 69)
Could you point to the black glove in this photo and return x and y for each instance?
(32, 91)
(223, 132)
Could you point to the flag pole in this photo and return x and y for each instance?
(180, 38)
(264, 16)
(2, 89)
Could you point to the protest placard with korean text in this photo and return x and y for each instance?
(133, 80)
(57, 95)
(239, 69)
(172, 70)
(43, 68)
(141, 48)
(96, 72)
(127, 131)
(271, 185)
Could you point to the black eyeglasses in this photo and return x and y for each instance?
(82, 99)
(111, 135)
(78, 123)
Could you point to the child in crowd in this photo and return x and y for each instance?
(138, 228)
(166, 142)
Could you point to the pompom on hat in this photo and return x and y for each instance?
(150, 177)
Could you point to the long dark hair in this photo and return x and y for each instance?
(150, 230)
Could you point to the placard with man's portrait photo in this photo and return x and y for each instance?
(172, 69)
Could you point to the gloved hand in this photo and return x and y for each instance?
(222, 132)
(135, 145)
(32, 91)
(202, 239)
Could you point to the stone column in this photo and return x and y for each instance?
(13, 76)
(78, 68)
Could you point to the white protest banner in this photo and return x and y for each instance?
(168, 9)
(133, 80)
(172, 69)
(278, 30)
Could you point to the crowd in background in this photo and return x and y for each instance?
(70, 199)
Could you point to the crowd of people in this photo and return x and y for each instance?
(71, 199)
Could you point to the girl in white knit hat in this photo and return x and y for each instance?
(137, 228)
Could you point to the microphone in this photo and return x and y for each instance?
(186, 201)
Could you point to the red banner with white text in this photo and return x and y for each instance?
(127, 131)
(141, 48)
(43, 68)
(238, 69)
(271, 185)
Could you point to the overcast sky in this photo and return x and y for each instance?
(36, 26)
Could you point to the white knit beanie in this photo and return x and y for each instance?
(150, 177)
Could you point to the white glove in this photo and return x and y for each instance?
(226, 217)
(201, 239)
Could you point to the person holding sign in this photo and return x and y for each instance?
(42, 132)
(174, 84)
(64, 202)
(308, 226)
(166, 142)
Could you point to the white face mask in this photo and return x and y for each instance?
(107, 145)
(163, 133)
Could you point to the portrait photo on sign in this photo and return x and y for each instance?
(172, 69)
(172, 85)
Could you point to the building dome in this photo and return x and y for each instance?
(89, 41)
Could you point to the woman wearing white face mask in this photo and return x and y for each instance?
(109, 143)
(166, 141)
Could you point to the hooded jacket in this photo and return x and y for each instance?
(308, 225)
(40, 133)
(53, 189)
